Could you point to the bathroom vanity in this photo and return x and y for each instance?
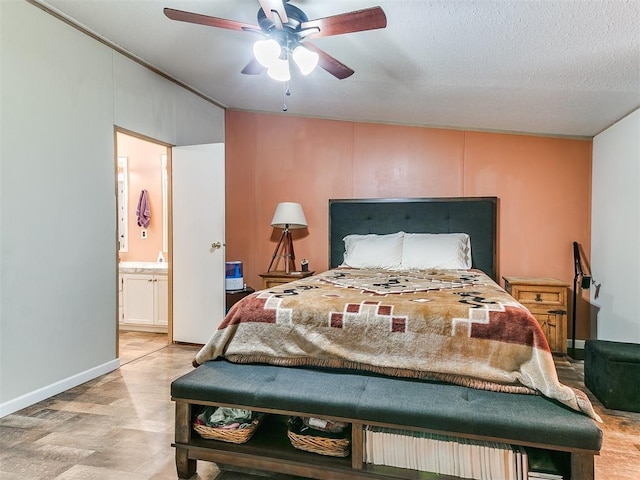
(143, 296)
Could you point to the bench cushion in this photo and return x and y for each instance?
(612, 373)
(397, 401)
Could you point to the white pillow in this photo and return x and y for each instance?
(373, 251)
(436, 250)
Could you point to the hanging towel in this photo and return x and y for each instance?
(144, 210)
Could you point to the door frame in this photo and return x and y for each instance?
(169, 259)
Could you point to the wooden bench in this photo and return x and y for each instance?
(365, 399)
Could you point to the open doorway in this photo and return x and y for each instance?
(143, 189)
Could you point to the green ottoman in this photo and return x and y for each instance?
(612, 373)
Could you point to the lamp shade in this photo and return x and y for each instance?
(305, 59)
(289, 214)
(267, 52)
(279, 70)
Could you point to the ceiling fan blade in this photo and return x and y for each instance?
(253, 68)
(200, 19)
(277, 6)
(330, 64)
(357, 21)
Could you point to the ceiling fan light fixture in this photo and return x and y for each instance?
(267, 52)
(279, 70)
(284, 28)
(305, 59)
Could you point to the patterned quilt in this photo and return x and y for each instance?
(457, 326)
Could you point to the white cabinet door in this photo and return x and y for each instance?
(145, 302)
(137, 299)
(198, 241)
(161, 300)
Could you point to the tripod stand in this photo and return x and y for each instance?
(286, 243)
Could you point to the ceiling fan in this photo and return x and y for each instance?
(285, 30)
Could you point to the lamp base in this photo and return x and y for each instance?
(286, 244)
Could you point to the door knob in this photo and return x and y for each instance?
(216, 245)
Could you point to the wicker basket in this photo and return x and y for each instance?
(335, 447)
(239, 435)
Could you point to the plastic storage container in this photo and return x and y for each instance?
(233, 278)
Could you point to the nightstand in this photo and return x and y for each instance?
(546, 299)
(234, 296)
(272, 279)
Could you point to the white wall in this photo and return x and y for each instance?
(615, 231)
(61, 93)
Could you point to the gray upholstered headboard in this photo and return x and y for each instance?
(476, 216)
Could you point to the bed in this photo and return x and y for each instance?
(376, 341)
(383, 313)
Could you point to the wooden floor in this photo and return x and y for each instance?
(120, 426)
(134, 345)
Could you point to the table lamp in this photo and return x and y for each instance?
(288, 215)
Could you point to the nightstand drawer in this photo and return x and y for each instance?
(273, 279)
(542, 296)
(274, 282)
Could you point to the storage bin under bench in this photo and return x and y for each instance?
(365, 399)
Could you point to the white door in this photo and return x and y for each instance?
(198, 241)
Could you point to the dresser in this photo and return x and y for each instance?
(546, 299)
(272, 279)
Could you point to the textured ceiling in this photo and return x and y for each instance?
(567, 67)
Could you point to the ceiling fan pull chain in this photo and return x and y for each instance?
(284, 98)
(285, 94)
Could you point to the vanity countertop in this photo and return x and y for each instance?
(143, 267)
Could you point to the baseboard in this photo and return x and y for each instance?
(579, 344)
(43, 393)
(576, 353)
(143, 328)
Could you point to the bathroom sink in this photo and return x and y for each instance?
(142, 267)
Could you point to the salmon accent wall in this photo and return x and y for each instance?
(543, 185)
(144, 172)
